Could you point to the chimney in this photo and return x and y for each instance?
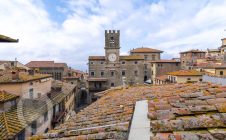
(15, 75)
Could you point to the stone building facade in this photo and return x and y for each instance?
(57, 70)
(161, 67)
(112, 69)
(189, 58)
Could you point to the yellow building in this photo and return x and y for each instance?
(185, 76)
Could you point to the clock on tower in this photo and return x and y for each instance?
(112, 43)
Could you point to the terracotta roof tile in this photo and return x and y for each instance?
(96, 57)
(185, 73)
(5, 96)
(194, 115)
(132, 57)
(164, 61)
(145, 50)
(193, 51)
(170, 115)
(43, 64)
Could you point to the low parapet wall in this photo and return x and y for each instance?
(214, 79)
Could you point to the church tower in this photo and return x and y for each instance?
(112, 46)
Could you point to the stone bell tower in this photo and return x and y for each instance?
(112, 45)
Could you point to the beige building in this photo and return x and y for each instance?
(215, 69)
(185, 76)
(25, 85)
(21, 117)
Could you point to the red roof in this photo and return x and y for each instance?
(162, 78)
(97, 79)
(164, 61)
(185, 73)
(145, 50)
(193, 51)
(41, 64)
(96, 57)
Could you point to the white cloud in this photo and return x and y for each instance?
(172, 26)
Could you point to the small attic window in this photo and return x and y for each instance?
(112, 38)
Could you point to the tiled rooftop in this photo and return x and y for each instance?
(43, 64)
(194, 51)
(5, 96)
(132, 57)
(190, 115)
(164, 61)
(162, 77)
(23, 77)
(185, 73)
(128, 57)
(110, 116)
(96, 57)
(145, 50)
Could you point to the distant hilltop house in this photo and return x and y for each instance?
(141, 65)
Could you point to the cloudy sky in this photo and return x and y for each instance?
(71, 30)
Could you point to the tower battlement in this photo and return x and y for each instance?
(112, 31)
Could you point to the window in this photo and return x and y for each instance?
(112, 73)
(39, 95)
(135, 62)
(91, 63)
(34, 127)
(123, 62)
(112, 84)
(92, 73)
(31, 93)
(31, 83)
(102, 73)
(45, 116)
(176, 64)
(123, 73)
(152, 72)
(200, 79)
(188, 78)
(72, 83)
(145, 66)
(13, 103)
(100, 85)
(153, 57)
(135, 73)
(145, 57)
(112, 38)
(101, 62)
(221, 73)
(12, 64)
